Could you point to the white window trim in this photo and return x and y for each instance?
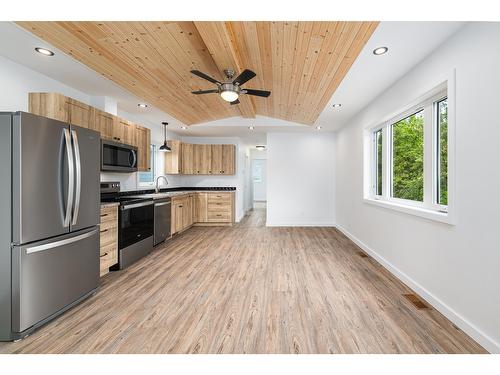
(426, 209)
(153, 169)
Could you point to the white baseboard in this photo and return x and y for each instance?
(293, 224)
(483, 339)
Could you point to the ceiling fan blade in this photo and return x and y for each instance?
(237, 101)
(262, 93)
(244, 76)
(204, 76)
(198, 92)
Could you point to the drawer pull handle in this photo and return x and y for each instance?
(102, 215)
(181, 206)
(219, 215)
(104, 230)
(103, 255)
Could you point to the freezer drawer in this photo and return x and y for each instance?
(49, 275)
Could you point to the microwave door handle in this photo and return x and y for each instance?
(78, 165)
(71, 178)
(134, 163)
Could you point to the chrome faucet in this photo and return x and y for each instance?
(157, 179)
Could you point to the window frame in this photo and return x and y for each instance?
(429, 208)
(154, 155)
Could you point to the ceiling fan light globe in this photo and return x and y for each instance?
(229, 96)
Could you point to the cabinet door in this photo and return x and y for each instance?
(143, 139)
(179, 217)
(202, 159)
(128, 133)
(123, 131)
(79, 114)
(173, 158)
(103, 123)
(48, 104)
(187, 157)
(216, 162)
(228, 159)
(200, 207)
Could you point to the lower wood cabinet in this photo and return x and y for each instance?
(108, 238)
(202, 208)
(182, 212)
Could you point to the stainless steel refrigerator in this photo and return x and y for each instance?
(49, 216)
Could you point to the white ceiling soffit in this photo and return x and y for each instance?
(408, 43)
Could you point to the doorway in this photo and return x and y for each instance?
(259, 181)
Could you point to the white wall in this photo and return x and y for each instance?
(456, 268)
(301, 183)
(17, 81)
(237, 180)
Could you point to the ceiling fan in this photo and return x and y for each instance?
(231, 89)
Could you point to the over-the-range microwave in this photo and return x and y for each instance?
(118, 157)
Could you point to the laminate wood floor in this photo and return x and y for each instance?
(250, 289)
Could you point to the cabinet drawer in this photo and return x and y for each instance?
(109, 214)
(219, 198)
(108, 235)
(108, 258)
(219, 207)
(219, 217)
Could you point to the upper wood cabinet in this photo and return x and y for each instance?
(173, 158)
(69, 110)
(202, 159)
(188, 162)
(206, 159)
(124, 131)
(60, 107)
(103, 123)
(216, 163)
(228, 159)
(143, 139)
(79, 114)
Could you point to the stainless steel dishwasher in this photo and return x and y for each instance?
(163, 213)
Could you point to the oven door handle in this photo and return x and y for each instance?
(134, 205)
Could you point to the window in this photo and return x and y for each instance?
(408, 158)
(408, 163)
(378, 161)
(148, 178)
(442, 151)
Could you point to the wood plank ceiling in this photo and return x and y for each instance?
(301, 63)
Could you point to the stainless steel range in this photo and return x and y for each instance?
(135, 224)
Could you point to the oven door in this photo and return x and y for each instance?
(136, 223)
(118, 157)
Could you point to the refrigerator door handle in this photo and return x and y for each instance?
(71, 178)
(52, 245)
(78, 165)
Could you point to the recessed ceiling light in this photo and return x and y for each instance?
(337, 105)
(380, 50)
(184, 127)
(142, 105)
(260, 147)
(251, 128)
(44, 51)
(318, 127)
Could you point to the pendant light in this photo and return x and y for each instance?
(164, 147)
